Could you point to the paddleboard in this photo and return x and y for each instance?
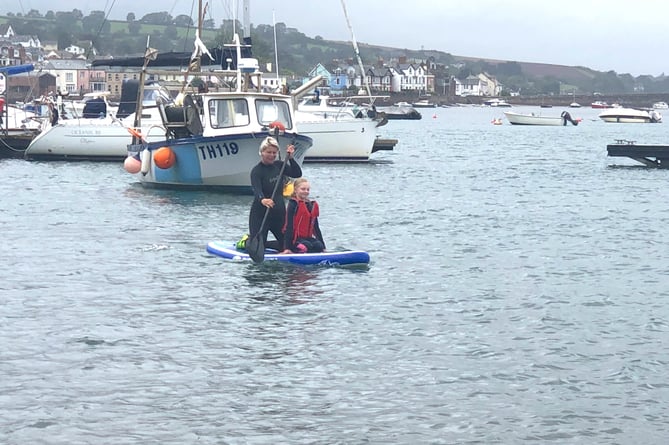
(341, 258)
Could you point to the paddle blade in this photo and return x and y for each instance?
(256, 248)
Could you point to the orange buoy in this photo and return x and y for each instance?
(277, 127)
(132, 165)
(164, 157)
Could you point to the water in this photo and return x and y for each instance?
(517, 294)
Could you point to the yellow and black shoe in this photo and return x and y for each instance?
(241, 244)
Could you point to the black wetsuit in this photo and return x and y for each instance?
(263, 180)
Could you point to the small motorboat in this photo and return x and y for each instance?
(630, 116)
(534, 119)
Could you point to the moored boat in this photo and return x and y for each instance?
(342, 133)
(13, 142)
(102, 132)
(212, 139)
(630, 116)
(533, 119)
(598, 104)
(400, 112)
(496, 102)
(18, 126)
(424, 103)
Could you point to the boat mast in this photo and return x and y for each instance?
(357, 51)
(247, 18)
(276, 51)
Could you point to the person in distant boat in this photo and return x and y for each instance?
(302, 232)
(264, 177)
(53, 113)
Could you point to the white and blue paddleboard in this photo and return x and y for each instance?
(341, 258)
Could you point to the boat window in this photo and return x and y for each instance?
(226, 113)
(152, 93)
(273, 110)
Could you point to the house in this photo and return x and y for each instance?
(342, 76)
(381, 79)
(489, 85)
(25, 87)
(271, 82)
(6, 30)
(12, 54)
(319, 70)
(470, 86)
(75, 50)
(66, 72)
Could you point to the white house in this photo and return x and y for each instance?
(66, 72)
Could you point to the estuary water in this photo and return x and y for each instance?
(518, 293)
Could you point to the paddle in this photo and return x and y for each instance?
(256, 246)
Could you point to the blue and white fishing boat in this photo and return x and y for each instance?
(213, 137)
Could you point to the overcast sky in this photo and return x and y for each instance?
(623, 35)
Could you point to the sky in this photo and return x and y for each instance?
(625, 36)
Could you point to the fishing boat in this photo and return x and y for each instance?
(537, 119)
(212, 138)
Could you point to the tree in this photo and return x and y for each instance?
(171, 32)
(157, 18)
(134, 28)
(95, 23)
(183, 20)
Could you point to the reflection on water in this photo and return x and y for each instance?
(297, 283)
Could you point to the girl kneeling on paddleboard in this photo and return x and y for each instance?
(302, 233)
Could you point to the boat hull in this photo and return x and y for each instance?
(87, 140)
(630, 116)
(339, 140)
(217, 162)
(527, 119)
(13, 142)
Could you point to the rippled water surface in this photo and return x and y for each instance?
(518, 293)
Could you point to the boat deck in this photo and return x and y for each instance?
(649, 155)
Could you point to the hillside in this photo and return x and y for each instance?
(299, 53)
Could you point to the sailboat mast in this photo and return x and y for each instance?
(276, 51)
(247, 18)
(357, 51)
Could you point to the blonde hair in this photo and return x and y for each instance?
(269, 141)
(296, 183)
